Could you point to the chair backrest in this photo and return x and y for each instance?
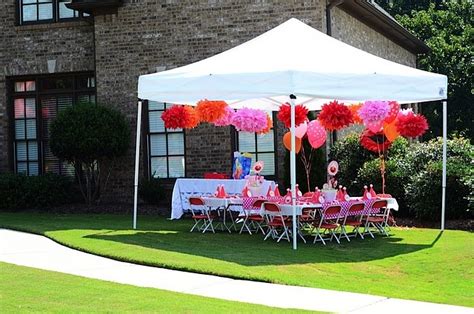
(271, 207)
(258, 203)
(197, 201)
(355, 208)
(379, 204)
(333, 210)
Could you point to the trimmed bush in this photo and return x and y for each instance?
(37, 192)
(91, 137)
(423, 193)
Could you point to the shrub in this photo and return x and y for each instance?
(23, 192)
(151, 191)
(351, 157)
(90, 137)
(395, 180)
(423, 192)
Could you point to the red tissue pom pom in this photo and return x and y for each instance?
(284, 115)
(411, 125)
(335, 116)
(191, 118)
(375, 142)
(174, 117)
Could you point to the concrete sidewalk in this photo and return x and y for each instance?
(40, 252)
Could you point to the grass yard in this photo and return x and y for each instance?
(24, 289)
(418, 264)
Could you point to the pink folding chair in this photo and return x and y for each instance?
(352, 218)
(377, 218)
(328, 224)
(278, 226)
(202, 215)
(252, 219)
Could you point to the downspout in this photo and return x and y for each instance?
(329, 5)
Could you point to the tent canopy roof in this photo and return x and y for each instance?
(292, 58)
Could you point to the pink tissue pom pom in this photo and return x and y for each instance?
(226, 119)
(374, 111)
(249, 120)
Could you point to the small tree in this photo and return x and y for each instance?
(90, 137)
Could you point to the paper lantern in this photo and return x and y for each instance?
(410, 124)
(373, 113)
(226, 119)
(211, 110)
(390, 131)
(301, 129)
(316, 134)
(375, 142)
(249, 120)
(268, 127)
(174, 117)
(335, 116)
(287, 142)
(191, 117)
(393, 113)
(355, 115)
(284, 114)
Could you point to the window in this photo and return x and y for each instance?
(165, 146)
(36, 101)
(43, 11)
(260, 146)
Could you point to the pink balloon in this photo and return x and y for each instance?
(316, 134)
(375, 126)
(301, 129)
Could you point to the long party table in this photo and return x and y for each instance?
(185, 188)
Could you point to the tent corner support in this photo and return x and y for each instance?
(293, 169)
(443, 181)
(137, 163)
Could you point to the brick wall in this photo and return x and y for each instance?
(27, 49)
(148, 34)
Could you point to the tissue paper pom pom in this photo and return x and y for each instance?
(174, 117)
(268, 127)
(375, 142)
(411, 125)
(355, 115)
(226, 119)
(249, 120)
(211, 110)
(191, 117)
(335, 116)
(373, 112)
(284, 115)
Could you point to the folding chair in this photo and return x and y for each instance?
(276, 222)
(328, 222)
(252, 219)
(377, 218)
(352, 218)
(201, 214)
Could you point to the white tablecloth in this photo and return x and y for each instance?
(184, 188)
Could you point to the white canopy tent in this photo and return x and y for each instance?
(291, 59)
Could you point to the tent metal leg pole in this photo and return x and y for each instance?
(443, 183)
(137, 163)
(293, 169)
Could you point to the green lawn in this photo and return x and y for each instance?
(419, 264)
(24, 289)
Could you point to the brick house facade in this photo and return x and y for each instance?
(69, 55)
